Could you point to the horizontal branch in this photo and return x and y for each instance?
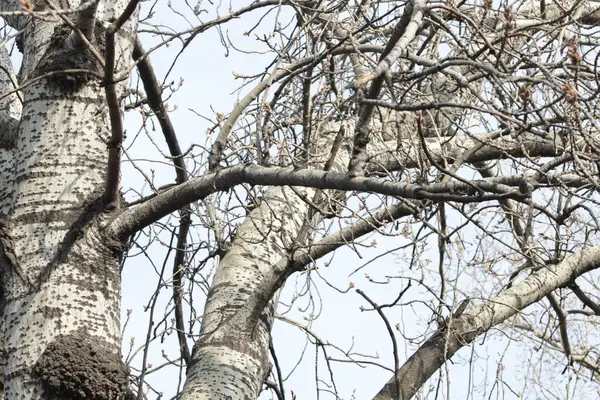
(442, 345)
(383, 156)
(167, 202)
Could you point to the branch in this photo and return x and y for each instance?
(113, 172)
(529, 15)
(167, 202)
(388, 327)
(77, 38)
(562, 327)
(154, 96)
(382, 158)
(584, 298)
(403, 33)
(155, 101)
(442, 345)
(303, 257)
(86, 20)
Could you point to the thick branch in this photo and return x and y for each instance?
(165, 203)
(464, 329)
(116, 122)
(447, 149)
(86, 20)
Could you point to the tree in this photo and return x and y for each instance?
(472, 122)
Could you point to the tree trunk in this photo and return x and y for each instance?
(61, 235)
(231, 359)
(60, 271)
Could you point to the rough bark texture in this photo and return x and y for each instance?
(60, 245)
(60, 272)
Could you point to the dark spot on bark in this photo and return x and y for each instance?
(63, 54)
(79, 366)
(19, 40)
(50, 312)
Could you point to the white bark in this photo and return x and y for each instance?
(230, 358)
(60, 267)
(479, 319)
(60, 272)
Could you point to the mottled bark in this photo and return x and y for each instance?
(230, 359)
(61, 245)
(60, 271)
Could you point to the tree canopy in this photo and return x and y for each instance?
(422, 171)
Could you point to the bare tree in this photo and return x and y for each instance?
(468, 129)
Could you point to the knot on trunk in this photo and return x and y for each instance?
(79, 366)
(69, 61)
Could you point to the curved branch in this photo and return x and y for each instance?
(442, 345)
(167, 202)
(155, 101)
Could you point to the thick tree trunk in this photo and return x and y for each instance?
(230, 358)
(60, 272)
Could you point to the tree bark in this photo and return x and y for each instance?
(230, 359)
(60, 272)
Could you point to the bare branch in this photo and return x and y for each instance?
(403, 33)
(163, 204)
(349, 234)
(113, 172)
(464, 329)
(155, 101)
